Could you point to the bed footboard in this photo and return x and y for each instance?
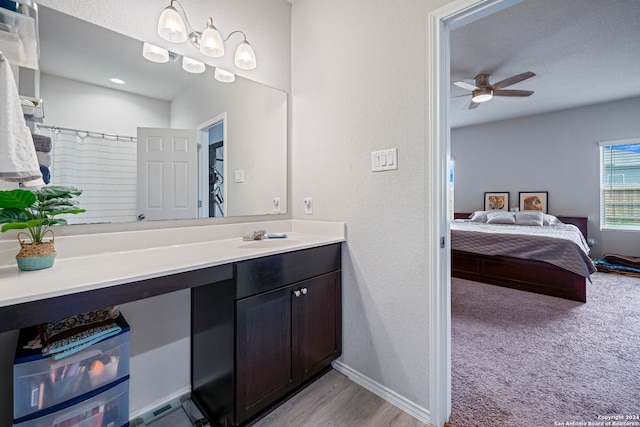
(527, 275)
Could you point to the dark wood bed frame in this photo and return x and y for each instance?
(526, 275)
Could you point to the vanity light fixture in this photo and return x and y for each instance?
(224, 76)
(154, 53)
(172, 27)
(481, 95)
(192, 66)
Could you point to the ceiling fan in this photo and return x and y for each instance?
(484, 91)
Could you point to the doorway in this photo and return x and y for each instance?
(212, 150)
(440, 23)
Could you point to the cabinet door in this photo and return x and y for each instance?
(320, 323)
(265, 350)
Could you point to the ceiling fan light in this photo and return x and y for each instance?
(211, 42)
(154, 53)
(171, 25)
(192, 66)
(482, 95)
(224, 76)
(245, 56)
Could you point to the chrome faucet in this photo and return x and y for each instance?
(255, 235)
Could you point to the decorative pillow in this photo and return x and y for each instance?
(501, 217)
(479, 216)
(529, 218)
(550, 220)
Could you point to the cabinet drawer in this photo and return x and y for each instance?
(263, 274)
(40, 382)
(110, 408)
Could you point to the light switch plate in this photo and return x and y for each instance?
(308, 205)
(276, 205)
(239, 175)
(384, 160)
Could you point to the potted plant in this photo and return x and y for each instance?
(36, 211)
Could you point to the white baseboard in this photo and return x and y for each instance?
(390, 396)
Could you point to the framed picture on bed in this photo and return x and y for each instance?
(496, 201)
(534, 201)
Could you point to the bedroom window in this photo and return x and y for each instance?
(620, 184)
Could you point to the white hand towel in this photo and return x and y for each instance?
(18, 160)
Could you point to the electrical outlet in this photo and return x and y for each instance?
(308, 206)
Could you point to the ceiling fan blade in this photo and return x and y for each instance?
(460, 96)
(473, 105)
(512, 92)
(512, 80)
(465, 85)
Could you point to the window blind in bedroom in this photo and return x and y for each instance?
(620, 184)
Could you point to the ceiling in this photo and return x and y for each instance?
(582, 52)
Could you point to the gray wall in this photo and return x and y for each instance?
(554, 152)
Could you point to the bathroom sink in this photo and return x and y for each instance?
(268, 243)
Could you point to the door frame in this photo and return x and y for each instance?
(440, 22)
(203, 162)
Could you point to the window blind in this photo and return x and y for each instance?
(620, 184)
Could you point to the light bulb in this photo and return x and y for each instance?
(154, 53)
(245, 57)
(192, 66)
(171, 26)
(211, 42)
(224, 76)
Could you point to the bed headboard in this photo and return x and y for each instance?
(578, 221)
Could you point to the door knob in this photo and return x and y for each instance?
(304, 291)
(296, 293)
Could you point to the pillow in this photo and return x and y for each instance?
(501, 217)
(529, 218)
(479, 216)
(550, 220)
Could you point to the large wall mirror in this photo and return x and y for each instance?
(125, 144)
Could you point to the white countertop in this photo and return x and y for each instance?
(90, 262)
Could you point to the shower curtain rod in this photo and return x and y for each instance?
(88, 133)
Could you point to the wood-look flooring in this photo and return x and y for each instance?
(336, 401)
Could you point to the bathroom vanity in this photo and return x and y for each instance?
(266, 315)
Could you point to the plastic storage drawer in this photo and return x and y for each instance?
(40, 382)
(110, 408)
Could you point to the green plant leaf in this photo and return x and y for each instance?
(55, 191)
(19, 199)
(13, 215)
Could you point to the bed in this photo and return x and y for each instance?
(548, 256)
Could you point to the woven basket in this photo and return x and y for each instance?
(35, 256)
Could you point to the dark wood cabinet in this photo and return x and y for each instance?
(283, 338)
(287, 325)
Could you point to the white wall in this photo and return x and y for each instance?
(359, 83)
(555, 152)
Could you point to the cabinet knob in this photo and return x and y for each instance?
(304, 291)
(296, 293)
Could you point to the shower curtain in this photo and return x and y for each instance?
(104, 168)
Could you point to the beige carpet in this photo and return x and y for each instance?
(523, 359)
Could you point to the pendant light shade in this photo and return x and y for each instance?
(154, 53)
(171, 26)
(211, 42)
(192, 66)
(224, 76)
(245, 57)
